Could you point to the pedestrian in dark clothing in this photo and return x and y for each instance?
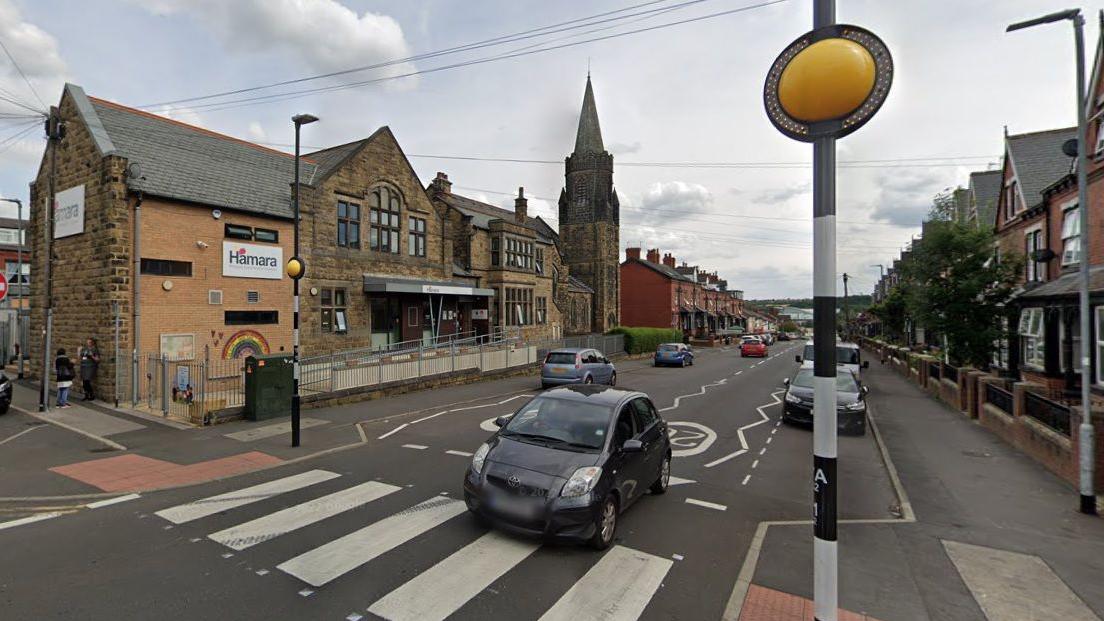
(63, 366)
(89, 361)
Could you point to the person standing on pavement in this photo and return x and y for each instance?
(89, 362)
(63, 366)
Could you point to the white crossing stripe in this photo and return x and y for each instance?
(331, 560)
(210, 506)
(706, 504)
(617, 588)
(111, 501)
(417, 447)
(273, 525)
(441, 590)
(38, 517)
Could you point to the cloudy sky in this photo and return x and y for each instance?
(687, 94)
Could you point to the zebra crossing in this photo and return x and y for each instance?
(617, 587)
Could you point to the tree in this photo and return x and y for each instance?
(951, 285)
(789, 326)
(892, 312)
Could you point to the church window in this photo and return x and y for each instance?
(542, 310)
(519, 306)
(519, 253)
(496, 253)
(540, 260)
(385, 207)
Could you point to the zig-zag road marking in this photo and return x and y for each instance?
(465, 408)
(701, 391)
(740, 431)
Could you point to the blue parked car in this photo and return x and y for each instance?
(674, 354)
(577, 365)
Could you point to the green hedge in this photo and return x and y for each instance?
(646, 340)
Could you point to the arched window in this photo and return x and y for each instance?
(385, 218)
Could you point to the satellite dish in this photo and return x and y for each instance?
(1069, 147)
(134, 171)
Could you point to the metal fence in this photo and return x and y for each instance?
(933, 370)
(999, 397)
(1050, 413)
(950, 373)
(188, 388)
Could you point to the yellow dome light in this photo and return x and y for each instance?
(827, 80)
(295, 268)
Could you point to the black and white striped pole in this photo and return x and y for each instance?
(823, 86)
(295, 270)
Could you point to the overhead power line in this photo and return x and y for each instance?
(288, 95)
(23, 75)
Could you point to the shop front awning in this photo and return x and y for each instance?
(379, 284)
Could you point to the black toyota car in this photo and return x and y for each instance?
(850, 401)
(567, 463)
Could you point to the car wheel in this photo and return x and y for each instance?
(4, 408)
(684, 362)
(544, 386)
(605, 526)
(480, 520)
(588, 380)
(613, 379)
(660, 485)
(691, 362)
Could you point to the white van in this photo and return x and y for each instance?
(847, 356)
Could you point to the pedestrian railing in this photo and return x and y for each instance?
(1050, 413)
(933, 370)
(950, 373)
(999, 397)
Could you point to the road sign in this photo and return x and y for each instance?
(3, 287)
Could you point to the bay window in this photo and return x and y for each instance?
(1032, 331)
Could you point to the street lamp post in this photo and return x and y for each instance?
(295, 269)
(1085, 432)
(19, 277)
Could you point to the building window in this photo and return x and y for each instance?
(251, 318)
(542, 310)
(519, 253)
(348, 225)
(1099, 125)
(1000, 347)
(555, 282)
(236, 231)
(1075, 328)
(165, 267)
(1071, 236)
(1033, 241)
(333, 311)
(1032, 342)
(540, 260)
(519, 306)
(1099, 345)
(266, 235)
(1011, 200)
(10, 236)
(413, 316)
(496, 254)
(385, 213)
(416, 240)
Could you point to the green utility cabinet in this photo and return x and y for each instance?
(268, 386)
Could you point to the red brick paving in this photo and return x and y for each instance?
(763, 604)
(133, 473)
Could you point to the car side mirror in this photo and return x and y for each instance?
(501, 421)
(786, 381)
(798, 359)
(866, 364)
(632, 446)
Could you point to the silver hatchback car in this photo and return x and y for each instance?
(577, 365)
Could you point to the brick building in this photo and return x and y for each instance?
(659, 293)
(589, 218)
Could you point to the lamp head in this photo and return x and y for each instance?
(303, 119)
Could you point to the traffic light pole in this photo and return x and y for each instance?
(825, 579)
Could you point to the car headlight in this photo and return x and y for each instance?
(480, 457)
(581, 482)
(792, 398)
(857, 406)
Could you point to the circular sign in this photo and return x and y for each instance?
(828, 83)
(3, 286)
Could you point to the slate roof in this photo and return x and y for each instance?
(575, 284)
(193, 164)
(986, 188)
(665, 270)
(1066, 285)
(329, 159)
(482, 214)
(589, 137)
(1038, 161)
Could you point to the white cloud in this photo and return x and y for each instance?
(256, 132)
(325, 34)
(679, 196)
(37, 53)
(621, 148)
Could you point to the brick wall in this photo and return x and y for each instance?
(647, 297)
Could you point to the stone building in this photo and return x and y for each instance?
(589, 218)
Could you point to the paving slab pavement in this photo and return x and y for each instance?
(965, 486)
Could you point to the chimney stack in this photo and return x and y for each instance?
(441, 184)
(521, 206)
(653, 255)
(632, 253)
(669, 259)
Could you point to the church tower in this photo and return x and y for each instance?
(590, 218)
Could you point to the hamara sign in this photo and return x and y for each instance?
(252, 261)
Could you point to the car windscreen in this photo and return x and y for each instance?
(668, 348)
(560, 421)
(844, 355)
(845, 382)
(560, 357)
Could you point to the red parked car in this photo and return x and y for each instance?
(752, 346)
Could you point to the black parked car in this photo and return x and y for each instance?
(5, 393)
(567, 463)
(850, 401)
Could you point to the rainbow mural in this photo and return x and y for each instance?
(245, 343)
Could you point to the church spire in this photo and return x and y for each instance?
(589, 138)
